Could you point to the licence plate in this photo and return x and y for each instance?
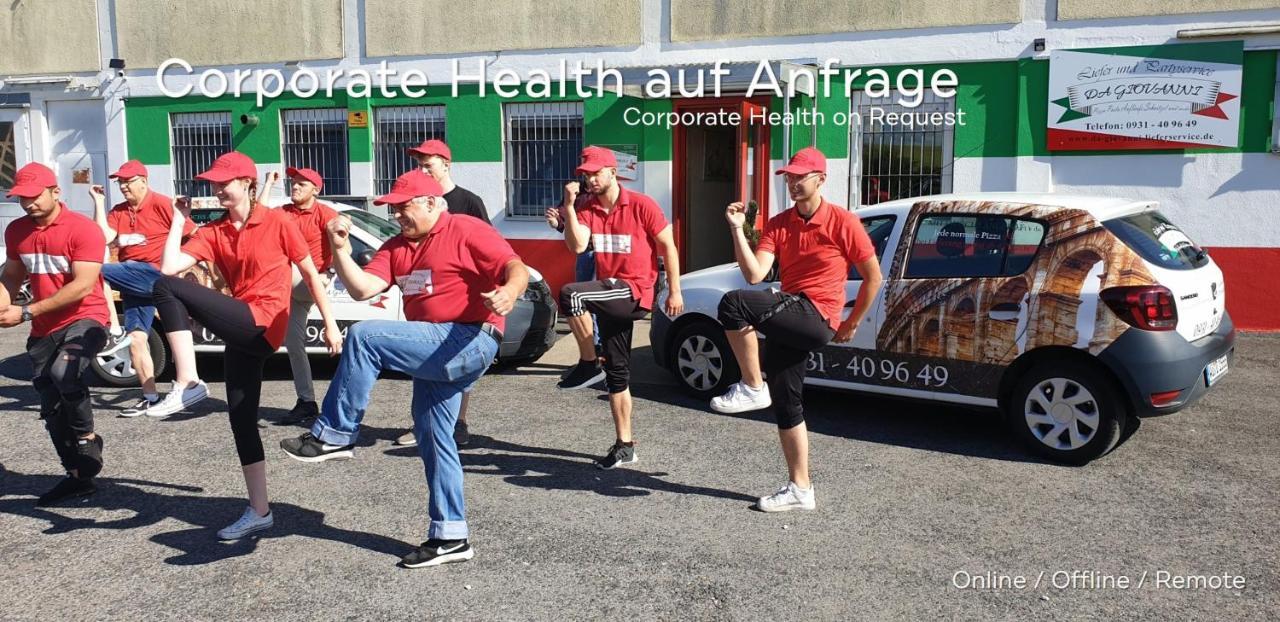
(1215, 370)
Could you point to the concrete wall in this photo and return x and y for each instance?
(437, 27)
(218, 32)
(702, 20)
(48, 36)
(1100, 9)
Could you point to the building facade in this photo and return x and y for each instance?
(89, 100)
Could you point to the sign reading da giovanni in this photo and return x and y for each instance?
(1162, 97)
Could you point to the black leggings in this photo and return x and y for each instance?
(177, 300)
(794, 329)
(616, 312)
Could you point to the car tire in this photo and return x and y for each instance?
(701, 360)
(1068, 413)
(116, 368)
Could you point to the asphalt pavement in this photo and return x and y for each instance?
(924, 511)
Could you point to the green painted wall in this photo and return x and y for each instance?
(1005, 105)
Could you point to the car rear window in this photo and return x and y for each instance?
(1158, 241)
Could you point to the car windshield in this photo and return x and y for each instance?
(376, 225)
(1158, 241)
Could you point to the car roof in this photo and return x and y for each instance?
(1102, 208)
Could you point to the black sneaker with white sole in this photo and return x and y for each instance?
(618, 454)
(308, 448)
(302, 413)
(68, 488)
(435, 552)
(461, 435)
(584, 374)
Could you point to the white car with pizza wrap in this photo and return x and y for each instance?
(1072, 315)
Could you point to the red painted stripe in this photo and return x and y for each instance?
(1074, 140)
(551, 257)
(1250, 275)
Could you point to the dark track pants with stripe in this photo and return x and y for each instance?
(616, 312)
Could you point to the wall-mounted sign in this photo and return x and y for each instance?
(1158, 97)
(357, 119)
(628, 161)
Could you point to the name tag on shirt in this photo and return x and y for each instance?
(131, 239)
(416, 283)
(606, 243)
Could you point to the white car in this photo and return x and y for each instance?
(1070, 314)
(530, 327)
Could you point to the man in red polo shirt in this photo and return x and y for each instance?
(627, 230)
(816, 242)
(311, 216)
(61, 251)
(460, 279)
(139, 226)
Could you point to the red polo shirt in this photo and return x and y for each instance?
(814, 256)
(48, 252)
(443, 274)
(256, 262)
(141, 232)
(625, 241)
(311, 223)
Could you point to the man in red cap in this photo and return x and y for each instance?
(311, 216)
(139, 226)
(61, 251)
(459, 279)
(628, 230)
(816, 242)
(436, 160)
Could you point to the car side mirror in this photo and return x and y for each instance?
(364, 258)
(1006, 311)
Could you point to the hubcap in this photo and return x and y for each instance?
(116, 360)
(1062, 414)
(700, 362)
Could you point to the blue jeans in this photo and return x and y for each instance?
(585, 270)
(134, 280)
(443, 360)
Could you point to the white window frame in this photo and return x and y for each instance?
(564, 118)
(425, 118)
(336, 170)
(862, 103)
(196, 162)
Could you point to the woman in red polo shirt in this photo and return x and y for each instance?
(253, 247)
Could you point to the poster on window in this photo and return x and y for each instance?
(1156, 97)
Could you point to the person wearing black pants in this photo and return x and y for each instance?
(815, 242)
(254, 248)
(61, 252)
(628, 231)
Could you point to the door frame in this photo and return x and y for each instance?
(21, 133)
(679, 138)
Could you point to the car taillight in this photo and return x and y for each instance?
(1149, 307)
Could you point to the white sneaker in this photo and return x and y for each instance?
(178, 400)
(248, 523)
(741, 398)
(789, 497)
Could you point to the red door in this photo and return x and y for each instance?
(753, 159)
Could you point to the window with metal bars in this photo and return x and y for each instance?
(396, 128)
(8, 155)
(316, 138)
(197, 139)
(898, 160)
(543, 143)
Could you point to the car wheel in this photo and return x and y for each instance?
(702, 361)
(1068, 413)
(114, 367)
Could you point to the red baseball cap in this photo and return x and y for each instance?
(432, 147)
(230, 165)
(31, 180)
(410, 186)
(595, 158)
(129, 170)
(305, 174)
(805, 161)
